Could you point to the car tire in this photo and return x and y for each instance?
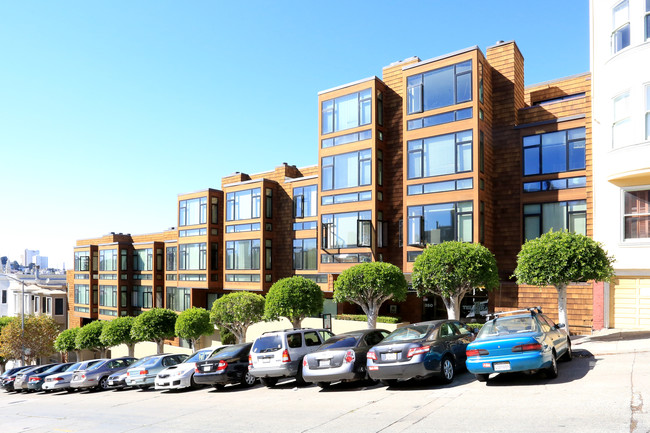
(219, 386)
(568, 355)
(389, 382)
(300, 381)
(102, 385)
(248, 380)
(323, 385)
(551, 372)
(193, 383)
(481, 377)
(447, 369)
(269, 382)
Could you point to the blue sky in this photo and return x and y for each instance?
(108, 110)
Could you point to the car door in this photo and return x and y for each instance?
(557, 337)
(453, 339)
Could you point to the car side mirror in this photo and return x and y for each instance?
(560, 325)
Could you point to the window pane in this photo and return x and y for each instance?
(346, 170)
(465, 228)
(346, 113)
(553, 216)
(439, 155)
(438, 223)
(578, 223)
(577, 155)
(531, 227)
(463, 88)
(439, 88)
(553, 152)
(464, 157)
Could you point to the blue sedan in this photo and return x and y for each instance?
(518, 341)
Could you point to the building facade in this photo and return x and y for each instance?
(620, 49)
(450, 148)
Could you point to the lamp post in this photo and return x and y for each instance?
(22, 317)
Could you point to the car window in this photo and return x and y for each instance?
(447, 330)
(373, 338)
(97, 365)
(294, 340)
(267, 343)
(411, 332)
(462, 328)
(337, 342)
(166, 362)
(548, 320)
(311, 339)
(198, 356)
(324, 335)
(543, 323)
(180, 358)
(73, 367)
(507, 325)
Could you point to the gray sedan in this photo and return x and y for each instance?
(144, 375)
(61, 381)
(97, 375)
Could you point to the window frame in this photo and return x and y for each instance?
(362, 96)
(231, 204)
(255, 245)
(624, 215)
(540, 152)
(419, 240)
(540, 215)
(616, 30)
(418, 88)
(330, 233)
(363, 156)
(422, 155)
(621, 121)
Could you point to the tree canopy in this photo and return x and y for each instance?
(294, 298)
(559, 258)
(369, 285)
(88, 337)
(155, 325)
(38, 340)
(66, 340)
(237, 311)
(118, 331)
(451, 269)
(193, 323)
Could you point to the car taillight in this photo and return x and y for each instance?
(371, 355)
(58, 379)
(476, 352)
(349, 356)
(34, 379)
(417, 351)
(250, 361)
(285, 356)
(222, 365)
(527, 347)
(144, 372)
(83, 376)
(196, 370)
(128, 374)
(304, 362)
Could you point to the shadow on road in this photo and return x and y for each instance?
(622, 336)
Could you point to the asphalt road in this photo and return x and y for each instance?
(602, 393)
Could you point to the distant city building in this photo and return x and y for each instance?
(28, 257)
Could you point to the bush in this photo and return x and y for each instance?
(226, 336)
(478, 326)
(364, 318)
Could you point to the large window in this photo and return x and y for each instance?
(81, 294)
(108, 296)
(243, 205)
(620, 26)
(305, 202)
(192, 256)
(621, 128)
(437, 223)
(440, 88)
(540, 218)
(346, 170)
(347, 111)
(178, 299)
(171, 258)
(637, 214)
(193, 211)
(142, 297)
(108, 260)
(444, 154)
(243, 254)
(346, 230)
(82, 261)
(554, 152)
(305, 255)
(143, 259)
(647, 109)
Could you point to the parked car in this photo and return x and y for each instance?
(9, 376)
(279, 354)
(22, 378)
(521, 340)
(182, 375)
(341, 358)
(97, 375)
(61, 380)
(420, 350)
(36, 381)
(228, 365)
(144, 375)
(117, 380)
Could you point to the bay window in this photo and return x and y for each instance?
(346, 170)
(193, 211)
(540, 218)
(143, 259)
(305, 201)
(440, 155)
(636, 218)
(108, 260)
(244, 254)
(621, 26)
(346, 230)
(439, 88)
(242, 205)
(305, 254)
(437, 223)
(554, 152)
(345, 112)
(192, 256)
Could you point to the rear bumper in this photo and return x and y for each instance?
(399, 370)
(56, 385)
(344, 372)
(526, 361)
(141, 380)
(288, 369)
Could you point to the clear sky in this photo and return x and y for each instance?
(110, 109)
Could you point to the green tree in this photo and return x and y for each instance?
(88, 337)
(155, 325)
(192, 324)
(38, 339)
(559, 258)
(369, 285)
(451, 269)
(294, 298)
(66, 342)
(4, 321)
(237, 311)
(118, 331)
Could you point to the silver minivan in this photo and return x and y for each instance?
(279, 354)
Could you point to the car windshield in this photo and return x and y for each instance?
(73, 367)
(227, 352)
(150, 362)
(413, 332)
(97, 365)
(507, 325)
(198, 356)
(268, 343)
(139, 362)
(340, 342)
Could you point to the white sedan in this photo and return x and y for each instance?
(182, 375)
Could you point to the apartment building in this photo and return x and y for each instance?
(620, 49)
(450, 148)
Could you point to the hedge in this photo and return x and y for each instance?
(364, 318)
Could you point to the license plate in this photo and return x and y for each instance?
(266, 360)
(207, 367)
(324, 363)
(390, 356)
(501, 366)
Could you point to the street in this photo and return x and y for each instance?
(601, 393)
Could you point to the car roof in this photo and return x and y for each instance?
(295, 330)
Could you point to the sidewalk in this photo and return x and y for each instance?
(613, 341)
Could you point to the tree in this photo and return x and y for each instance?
(451, 269)
(559, 258)
(4, 321)
(38, 340)
(118, 331)
(88, 337)
(369, 285)
(294, 298)
(66, 342)
(237, 311)
(155, 325)
(193, 323)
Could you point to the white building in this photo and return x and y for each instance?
(47, 295)
(620, 64)
(29, 255)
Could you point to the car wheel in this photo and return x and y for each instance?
(551, 372)
(482, 377)
(323, 385)
(269, 382)
(389, 382)
(248, 380)
(193, 383)
(447, 369)
(568, 355)
(300, 381)
(103, 384)
(219, 386)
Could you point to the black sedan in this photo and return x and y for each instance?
(8, 377)
(36, 381)
(420, 350)
(341, 358)
(226, 366)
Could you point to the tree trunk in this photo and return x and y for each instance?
(160, 346)
(296, 322)
(561, 306)
(77, 353)
(193, 344)
(453, 307)
(371, 310)
(131, 348)
(240, 334)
